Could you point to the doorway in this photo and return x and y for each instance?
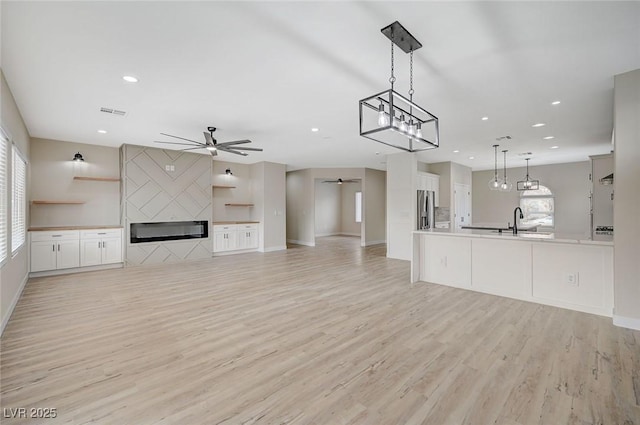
(338, 208)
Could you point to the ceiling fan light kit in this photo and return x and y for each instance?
(392, 119)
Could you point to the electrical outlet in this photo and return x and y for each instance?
(571, 279)
(169, 168)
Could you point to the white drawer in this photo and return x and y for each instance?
(100, 233)
(224, 227)
(253, 226)
(55, 235)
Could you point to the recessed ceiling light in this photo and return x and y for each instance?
(472, 157)
(456, 151)
(377, 153)
(548, 138)
(540, 124)
(130, 79)
(102, 131)
(485, 118)
(555, 102)
(314, 129)
(554, 147)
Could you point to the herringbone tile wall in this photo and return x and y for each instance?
(153, 191)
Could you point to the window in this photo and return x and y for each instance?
(4, 146)
(18, 201)
(537, 207)
(358, 207)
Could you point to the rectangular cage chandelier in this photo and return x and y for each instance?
(392, 119)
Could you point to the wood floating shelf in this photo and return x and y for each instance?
(238, 205)
(98, 179)
(57, 202)
(222, 186)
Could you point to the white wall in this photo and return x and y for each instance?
(242, 193)
(402, 170)
(569, 183)
(374, 212)
(52, 173)
(273, 223)
(14, 272)
(348, 225)
(627, 200)
(327, 211)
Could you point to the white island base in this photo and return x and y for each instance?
(562, 272)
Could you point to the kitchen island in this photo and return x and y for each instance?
(567, 271)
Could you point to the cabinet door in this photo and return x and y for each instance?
(435, 186)
(43, 256)
(68, 254)
(90, 252)
(219, 241)
(111, 250)
(232, 240)
(252, 239)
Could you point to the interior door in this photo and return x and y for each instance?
(462, 199)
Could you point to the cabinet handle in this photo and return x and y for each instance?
(56, 236)
(99, 245)
(54, 247)
(104, 244)
(58, 247)
(103, 233)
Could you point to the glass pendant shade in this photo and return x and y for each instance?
(383, 118)
(494, 183)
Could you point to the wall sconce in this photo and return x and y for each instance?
(228, 172)
(78, 157)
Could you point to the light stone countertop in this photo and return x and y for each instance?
(528, 237)
(56, 228)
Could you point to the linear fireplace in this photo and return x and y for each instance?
(168, 231)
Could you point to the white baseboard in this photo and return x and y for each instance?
(374, 243)
(235, 251)
(77, 270)
(13, 304)
(626, 322)
(275, 248)
(305, 243)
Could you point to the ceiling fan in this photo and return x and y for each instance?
(212, 145)
(340, 181)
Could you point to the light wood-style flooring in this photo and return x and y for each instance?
(328, 335)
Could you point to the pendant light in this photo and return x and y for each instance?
(395, 120)
(505, 186)
(528, 184)
(494, 183)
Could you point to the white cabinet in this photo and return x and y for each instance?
(224, 238)
(247, 236)
(54, 250)
(446, 260)
(428, 181)
(234, 237)
(100, 247)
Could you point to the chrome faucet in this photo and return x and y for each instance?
(515, 220)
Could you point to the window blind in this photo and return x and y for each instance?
(18, 201)
(4, 145)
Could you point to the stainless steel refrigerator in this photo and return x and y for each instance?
(426, 210)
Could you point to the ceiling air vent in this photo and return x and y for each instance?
(525, 154)
(503, 138)
(113, 111)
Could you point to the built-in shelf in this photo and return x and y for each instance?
(222, 186)
(57, 202)
(238, 205)
(98, 179)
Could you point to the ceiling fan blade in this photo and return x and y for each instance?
(181, 138)
(236, 142)
(190, 149)
(232, 151)
(177, 143)
(245, 149)
(330, 181)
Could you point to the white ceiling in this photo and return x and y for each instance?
(270, 71)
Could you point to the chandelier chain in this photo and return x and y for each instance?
(411, 75)
(393, 78)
